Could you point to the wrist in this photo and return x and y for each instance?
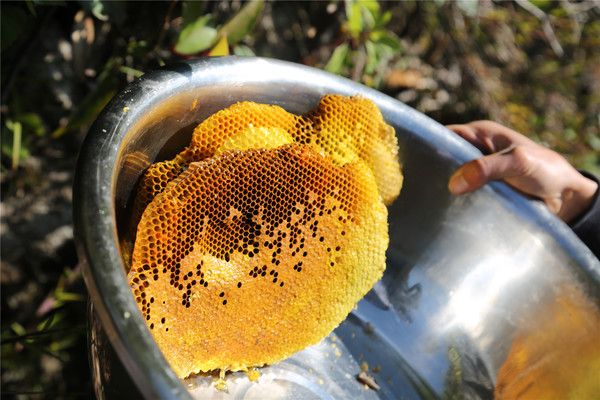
(578, 198)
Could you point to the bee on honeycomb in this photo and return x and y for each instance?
(258, 239)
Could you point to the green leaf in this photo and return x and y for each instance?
(243, 50)
(389, 40)
(138, 49)
(97, 8)
(18, 329)
(354, 15)
(371, 57)
(242, 23)
(364, 16)
(191, 12)
(372, 6)
(196, 37)
(593, 142)
(16, 150)
(14, 145)
(338, 59)
(31, 7)
(370, 14)
(113, 11)
(131, 71)
(47, 323)
(383, 19)
(544, 5)
(32, 123)
(67, 296)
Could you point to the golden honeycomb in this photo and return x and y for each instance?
(258, 239)
(156, 178)
(209, 137)
(346, 128)
(349, 128)
(212, 132)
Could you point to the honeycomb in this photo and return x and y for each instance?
(256, 138)
(209, 137)
(258, 239)
(346, 128)
(155, 180)
(212, 132)
(350, 128)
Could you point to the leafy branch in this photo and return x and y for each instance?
(199, 33)
(367, 45)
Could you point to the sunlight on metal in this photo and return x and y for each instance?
(480, 292)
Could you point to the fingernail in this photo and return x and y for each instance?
(458, 184)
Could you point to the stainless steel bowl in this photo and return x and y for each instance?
(466, 276)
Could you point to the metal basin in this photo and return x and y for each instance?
(468, 278)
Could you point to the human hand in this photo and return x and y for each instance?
(525, 165)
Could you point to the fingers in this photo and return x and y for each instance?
(468, 133)
(490, 137)
(509, 163)
(525, 165)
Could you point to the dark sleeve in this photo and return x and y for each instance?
(587, 226)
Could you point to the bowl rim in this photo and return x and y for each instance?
(96, 176)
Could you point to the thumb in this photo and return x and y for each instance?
(476, 173)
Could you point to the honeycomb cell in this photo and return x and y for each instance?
(281, 242)
(350, 128)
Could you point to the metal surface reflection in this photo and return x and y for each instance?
(324, 371)
(471, 281)
(481, 291)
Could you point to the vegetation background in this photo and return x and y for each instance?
(531, 65)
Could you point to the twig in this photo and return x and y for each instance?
(16, 148)
(546, 26)
(359, 64)
(579, 14)
(578, 8)
(161, 33)
(26, 336)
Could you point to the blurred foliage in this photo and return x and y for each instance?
(500, 65)
(49, 345)
(454, 61)
(367, 45)
(198, 34)
(531, 65)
